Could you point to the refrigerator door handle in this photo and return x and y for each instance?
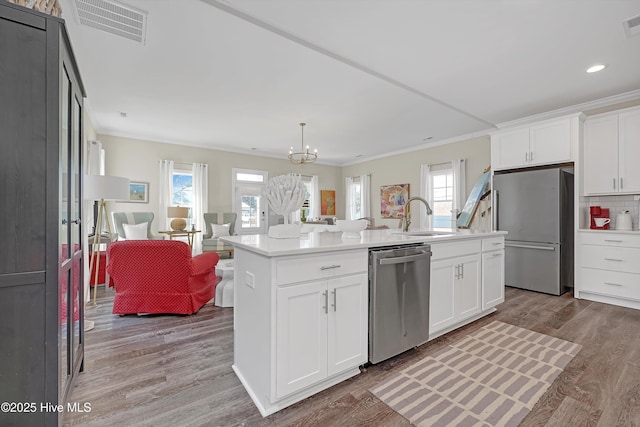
(518, 245)
(496, 225)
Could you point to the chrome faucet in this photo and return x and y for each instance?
(406, 221)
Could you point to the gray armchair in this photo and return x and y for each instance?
(120, 218)
(211, 243)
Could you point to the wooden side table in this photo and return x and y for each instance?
(182, 233)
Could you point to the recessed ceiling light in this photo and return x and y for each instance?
(596, 68)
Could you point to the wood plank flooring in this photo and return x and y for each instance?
(176, 370)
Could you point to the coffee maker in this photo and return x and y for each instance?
(598, 212)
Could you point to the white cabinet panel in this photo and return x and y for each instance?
(441, 304)
(611, 152)
(510, 149)
(348, 319)
(601, 155)
(301, 336)
(542, 143)
(455, 288)
(467, 289)
(492, 278)
(550, 142)
(629, 148)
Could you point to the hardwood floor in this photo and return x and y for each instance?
(176, 370)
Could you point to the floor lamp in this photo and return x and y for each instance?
(101, 188)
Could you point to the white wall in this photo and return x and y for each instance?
(405, 168)
(138, 160)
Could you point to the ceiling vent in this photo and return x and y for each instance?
(632, 26)
(113, 17)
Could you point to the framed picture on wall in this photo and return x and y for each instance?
(393, 199)
(327, 202)
(138, 192)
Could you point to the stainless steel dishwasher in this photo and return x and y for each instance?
(399, 279)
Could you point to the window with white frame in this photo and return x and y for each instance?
(354, 198)
(442, 193)
(182, 186)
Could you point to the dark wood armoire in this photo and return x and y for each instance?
(41, 260)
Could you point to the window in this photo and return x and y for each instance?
(182, 184)
(442, 193)
(354, 196)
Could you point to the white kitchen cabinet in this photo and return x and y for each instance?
(301, 323)
(320, 330)
(611, 150)
(608, 269)
(455, 284)
(547, 142)
(301, 334)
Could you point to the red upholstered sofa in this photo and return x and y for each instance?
(160, 276)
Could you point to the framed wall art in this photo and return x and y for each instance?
(327, 202)
(393, 199)
(138, 192)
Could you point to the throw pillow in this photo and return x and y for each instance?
(135, 231)
(220, 230)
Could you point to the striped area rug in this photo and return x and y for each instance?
(492, 377)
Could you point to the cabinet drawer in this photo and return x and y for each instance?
(610, 239)
(447, 250)
(608, 283)
(611, 258)
(492, 244)
(302, 269)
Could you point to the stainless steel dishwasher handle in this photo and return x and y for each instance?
(401, 259)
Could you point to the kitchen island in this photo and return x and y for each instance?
(301, 305)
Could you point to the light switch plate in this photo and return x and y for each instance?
(249, 279)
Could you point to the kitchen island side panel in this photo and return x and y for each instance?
(253, 322)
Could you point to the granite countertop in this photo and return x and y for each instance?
(317, 242)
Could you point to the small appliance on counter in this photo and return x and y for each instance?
(624, 221)
(599, 218)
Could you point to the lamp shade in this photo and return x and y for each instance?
(105, 187)
(177, 212)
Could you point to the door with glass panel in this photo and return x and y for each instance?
(249, 202)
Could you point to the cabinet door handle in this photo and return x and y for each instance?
(462, 271)
(621, 183)
(613, 259)
(326, 302)
(335, 299)
(612, 284)
(526, 157)
(614, 241)
(329, 267)
(496, 243)
(614, 183)
(498, 254)
(531, 156)
(458, 271)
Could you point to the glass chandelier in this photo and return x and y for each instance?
(304, 155)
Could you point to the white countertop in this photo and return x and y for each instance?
(317, 242)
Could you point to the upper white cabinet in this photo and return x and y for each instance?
(547, 142)
(611, 150)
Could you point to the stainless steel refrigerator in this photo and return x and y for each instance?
(535, 207)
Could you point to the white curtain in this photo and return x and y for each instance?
(426, 221)
(200, 202)
(349, 199)
(314, 198)
(365, 195)
(459, 187)
(165, 193)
